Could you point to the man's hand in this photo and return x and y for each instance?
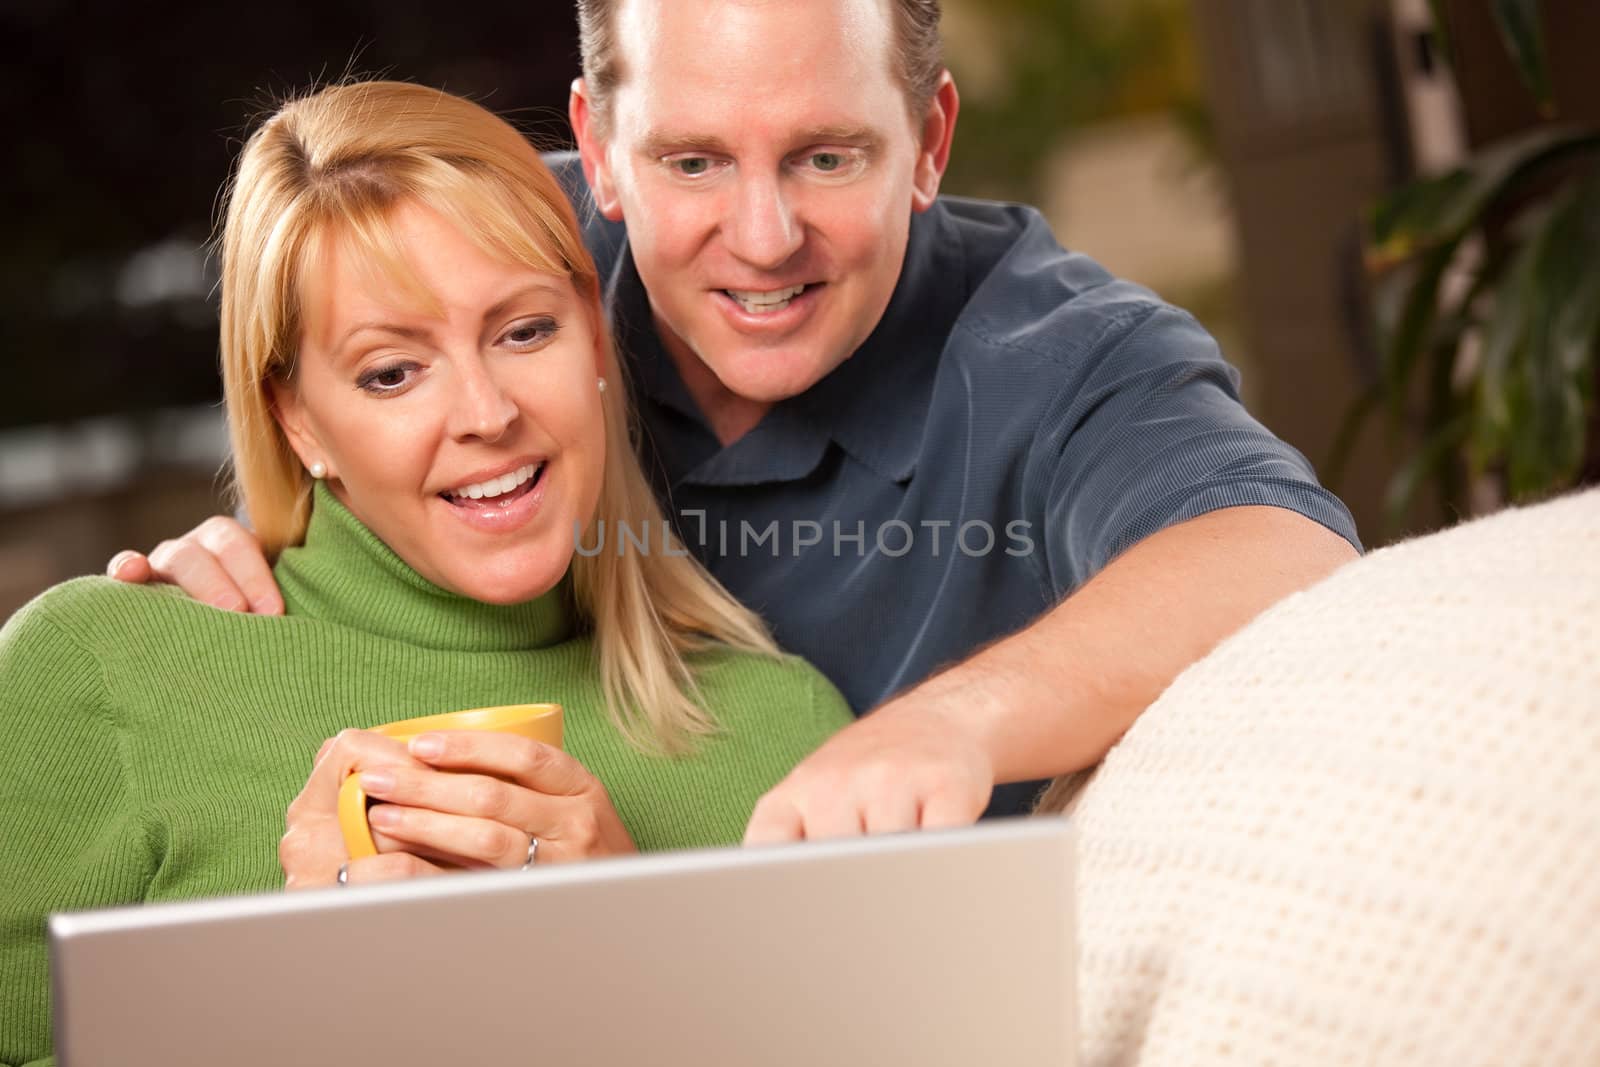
(218, 562)
(906, 766)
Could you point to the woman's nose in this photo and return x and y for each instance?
(482, 408)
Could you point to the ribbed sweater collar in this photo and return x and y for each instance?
(344, 574)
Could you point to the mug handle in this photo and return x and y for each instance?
(353, 819)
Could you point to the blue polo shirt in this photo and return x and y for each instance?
(1017, 419)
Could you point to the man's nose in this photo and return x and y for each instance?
(482, 408)
(764, 230)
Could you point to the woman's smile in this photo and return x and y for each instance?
(500, 505)
(496, 488)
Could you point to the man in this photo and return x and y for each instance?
(910, 431)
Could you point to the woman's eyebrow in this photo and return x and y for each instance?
(536, 288)
(422, 333)
(410, 333)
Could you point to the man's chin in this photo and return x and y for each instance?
(769, 377)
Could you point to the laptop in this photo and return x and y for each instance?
(935, 948)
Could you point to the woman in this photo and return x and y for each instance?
(425, 412)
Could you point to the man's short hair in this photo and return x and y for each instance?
(918, 53)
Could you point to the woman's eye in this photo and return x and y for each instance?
(382, 381)
(531, 333)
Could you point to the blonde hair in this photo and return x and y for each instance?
(338, 162)
(1060, 793)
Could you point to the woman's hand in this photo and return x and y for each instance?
(460, 798)
(312, 850)
(502, 791)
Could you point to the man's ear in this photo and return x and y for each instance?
(938, 131)
(592, 150)
(290, 414)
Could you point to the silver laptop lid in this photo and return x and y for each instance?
(951, 947)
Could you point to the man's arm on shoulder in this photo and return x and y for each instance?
(219, 562)
(1054, 697)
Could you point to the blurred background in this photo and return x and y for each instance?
(1387, 211)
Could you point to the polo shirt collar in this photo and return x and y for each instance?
(874, 405)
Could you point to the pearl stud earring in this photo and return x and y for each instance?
(602, 383)
(318, 470)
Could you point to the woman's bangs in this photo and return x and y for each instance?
(363, 229)
(501, 221)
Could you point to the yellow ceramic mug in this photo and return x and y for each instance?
(538, 722)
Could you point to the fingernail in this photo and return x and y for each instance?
(377, 783)
(265, 606)
(383, 816)
(428, 746)
(121, 559)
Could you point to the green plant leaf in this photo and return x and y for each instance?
(1505, 337)
(1432, 219)
(1447, 405)
(1522, 30)
(1344, 441)
(1575, 331)
(1441, 210)
(1413, 333)
(1561, 364)
(1536, 383)
(1414, 212)
(1437, 450)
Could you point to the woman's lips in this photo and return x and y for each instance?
(501, 499)
(502, 514)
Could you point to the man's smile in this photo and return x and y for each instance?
(758, 301)
(769, 310)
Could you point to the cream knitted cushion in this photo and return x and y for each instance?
(1366, 829)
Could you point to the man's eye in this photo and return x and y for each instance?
(692, 166)
(826, 161)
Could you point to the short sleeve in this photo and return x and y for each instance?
(66, 839)
(1152, 433)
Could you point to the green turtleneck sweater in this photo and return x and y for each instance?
(149, 745)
